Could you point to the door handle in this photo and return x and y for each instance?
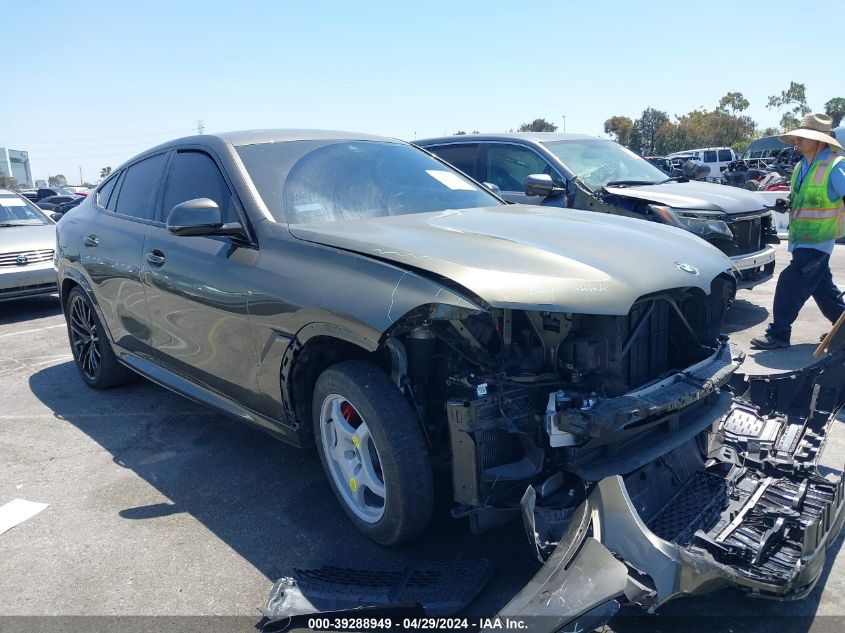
(156, 257)
(92, 241)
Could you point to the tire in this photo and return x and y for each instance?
(90, 345)
(375, 457)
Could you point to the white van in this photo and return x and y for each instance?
(717, 158)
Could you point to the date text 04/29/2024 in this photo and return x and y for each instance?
(423, 623)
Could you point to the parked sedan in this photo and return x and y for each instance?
(52, 203)
(27, 242)
(357, 293)
(584, 172)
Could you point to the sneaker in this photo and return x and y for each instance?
(767, 341)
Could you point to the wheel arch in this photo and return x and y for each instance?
(315, 348)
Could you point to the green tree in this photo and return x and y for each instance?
(740, 146)
(7, 182)
(669, 138)
(104, 173)
(794, 100)
(619, 127)
(459, 133)
(538, 125)
(57, 181)
(835, 109)
(647, 127)
(733, 101)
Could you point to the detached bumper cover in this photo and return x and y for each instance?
(585, 577)
(754, 514)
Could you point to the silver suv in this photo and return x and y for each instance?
(585, 172)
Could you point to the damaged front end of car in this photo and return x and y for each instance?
(643, 466)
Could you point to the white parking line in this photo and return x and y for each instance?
(47, 327)
(17, 511)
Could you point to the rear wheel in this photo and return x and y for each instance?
(92, 351)
(373, 451)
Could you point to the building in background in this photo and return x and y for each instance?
(15, 163)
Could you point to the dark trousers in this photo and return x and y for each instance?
(808, 275)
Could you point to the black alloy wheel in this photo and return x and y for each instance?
(92, 351)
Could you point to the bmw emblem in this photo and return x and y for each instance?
(692, 270)
(22, 260)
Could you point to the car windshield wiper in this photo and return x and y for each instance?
(631, 183)
(674, 179)
(20, 223)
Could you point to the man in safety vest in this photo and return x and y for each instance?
(816, 220)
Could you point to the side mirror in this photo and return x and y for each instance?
(200, 216)
(56, 216)
(494, 188)
(781, 205)
(542, 185)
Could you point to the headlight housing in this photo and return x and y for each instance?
(703, 223)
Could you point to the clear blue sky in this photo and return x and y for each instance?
(91, 83)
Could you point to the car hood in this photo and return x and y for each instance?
(695, 195)
(529, 257)
(27, 238)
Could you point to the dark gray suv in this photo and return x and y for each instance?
(585, 172)
(356, 293)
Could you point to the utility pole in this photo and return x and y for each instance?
(200, 125)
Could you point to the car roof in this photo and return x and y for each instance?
(253, 137)
(535, 137)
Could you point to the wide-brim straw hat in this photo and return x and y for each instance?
(816, 127)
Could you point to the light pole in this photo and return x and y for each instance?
(563, 116)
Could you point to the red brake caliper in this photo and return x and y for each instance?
(350, 414)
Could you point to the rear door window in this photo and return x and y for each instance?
(195, 175)
(710, 156)
(461, 155)
(137, 196)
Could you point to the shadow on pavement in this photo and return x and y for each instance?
(788, 358)
(742, 315)
(267, 501)
(28, 309)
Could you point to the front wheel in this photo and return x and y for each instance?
(373, 451)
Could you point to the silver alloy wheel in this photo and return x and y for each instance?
(85, 337)
(353, 458)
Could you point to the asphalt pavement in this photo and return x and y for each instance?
(158, 507)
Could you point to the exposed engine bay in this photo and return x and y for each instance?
(531, 395)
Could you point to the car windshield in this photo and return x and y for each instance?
(330, 181)
(597, 162)
(16, 211)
